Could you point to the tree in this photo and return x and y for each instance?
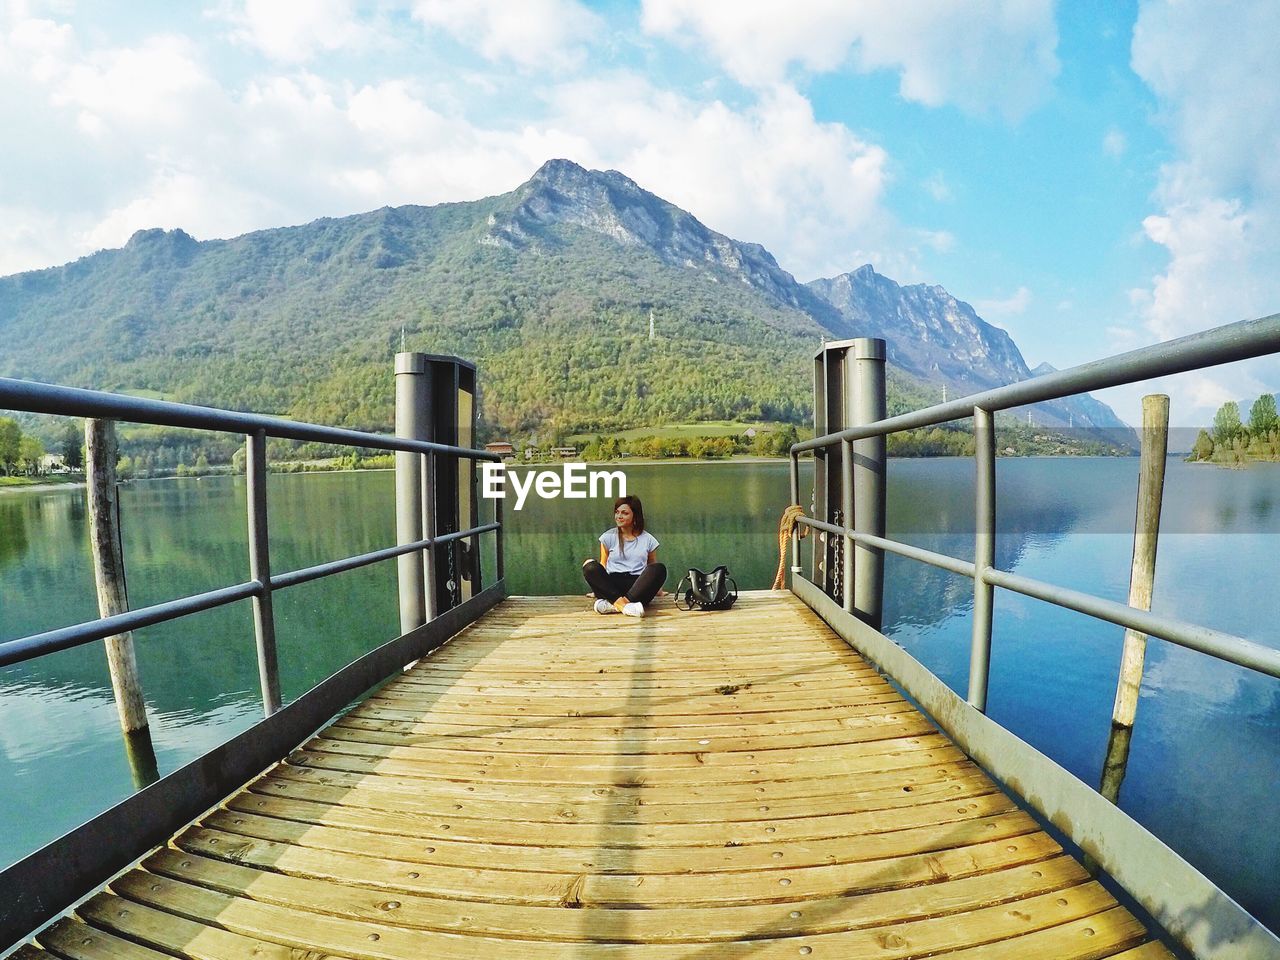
(1226, 423)
(30, 451)
(1262, 415)
(1203, 449)
(73, 447)
(10, 443)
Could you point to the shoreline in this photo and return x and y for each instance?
(613, 464)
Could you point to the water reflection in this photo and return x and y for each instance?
(13, 523)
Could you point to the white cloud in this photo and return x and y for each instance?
(151, 85)
(979, 55)
(546, 34)
(1215, 73)
(1010, 306)
(175, 198)
(811, 192)
(938, 188)
(294, 31)
(1114, 143)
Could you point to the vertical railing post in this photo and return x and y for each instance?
(500, 535)
(264, 623)
(795, 498)
(412, 400)
(821, 553)
(984, 554)
(868, 404)
(846, 509)
(108, 568)
(430, 582)
(1146, 533)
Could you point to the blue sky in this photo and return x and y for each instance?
(1092, 176)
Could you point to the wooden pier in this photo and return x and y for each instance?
(555, 783)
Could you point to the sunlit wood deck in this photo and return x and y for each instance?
(554, 783)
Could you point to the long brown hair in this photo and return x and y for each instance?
(637, 519)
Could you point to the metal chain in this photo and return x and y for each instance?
(455, 588)
(837, 559)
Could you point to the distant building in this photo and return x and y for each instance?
(751, 433)
(564, 453)
(530, 452)
(52, 463)
(502, 448)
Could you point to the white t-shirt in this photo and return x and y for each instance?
(634, 555)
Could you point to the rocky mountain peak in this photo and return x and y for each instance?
(563, 194)
(935, 336)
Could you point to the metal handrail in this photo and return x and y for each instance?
(1236, 341)
(35, 397)
(64, 638)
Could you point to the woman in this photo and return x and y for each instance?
(628, 575)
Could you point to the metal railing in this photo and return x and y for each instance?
(52, 878)
(1189, 907)
(34, 397)
(1237, 341)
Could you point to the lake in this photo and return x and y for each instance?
(1206, 750)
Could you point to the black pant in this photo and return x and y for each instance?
(637, 588)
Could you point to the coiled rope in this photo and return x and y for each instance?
(786, 530)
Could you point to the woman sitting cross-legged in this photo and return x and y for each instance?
(628, 575)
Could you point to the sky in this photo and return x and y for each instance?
(1092, 176)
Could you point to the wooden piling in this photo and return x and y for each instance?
(108, 568)
(1155, 447)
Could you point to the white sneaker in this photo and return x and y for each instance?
(604, 606)
(633, 610)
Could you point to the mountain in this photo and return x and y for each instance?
(548, 288)
(931, 334)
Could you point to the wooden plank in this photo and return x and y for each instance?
(591, 719)
(515, 885)
(76, 940)
(567, 834)
(634, 792)
(508, 799)
(662, 924)
(755, 852)
(1062, 915)
(895, 738)
(385, 793)
(338, 756)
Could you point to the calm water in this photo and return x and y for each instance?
(1206, 751)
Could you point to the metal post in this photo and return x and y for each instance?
(429, 584)
(1155, 448)
(264, 624)
(846, 509)
(867, 404)
(413, 385)
(984, 554)
(795, 498)
(466, 551)
(819, 569)
(108, 568)
(500, 535)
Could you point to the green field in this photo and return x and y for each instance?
(707, 428)
(41, 481)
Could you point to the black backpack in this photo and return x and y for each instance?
(707, 591)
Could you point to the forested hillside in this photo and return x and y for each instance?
(549, 289)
